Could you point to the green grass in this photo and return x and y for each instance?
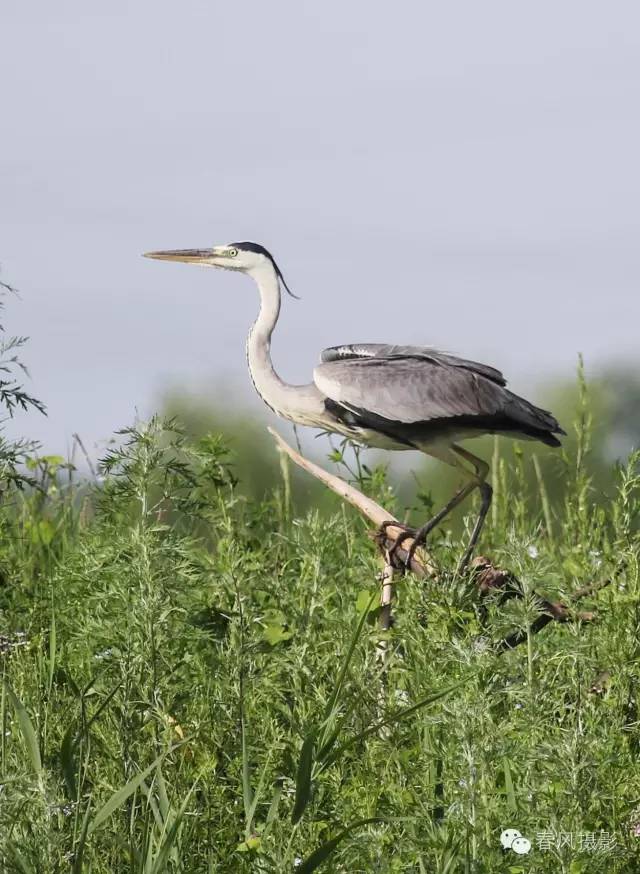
(189, 679)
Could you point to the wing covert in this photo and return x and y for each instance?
(364, 351)
(408, 389)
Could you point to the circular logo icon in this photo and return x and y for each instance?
(508, 836)
(521, 846)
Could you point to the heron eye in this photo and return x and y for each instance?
(232, 252)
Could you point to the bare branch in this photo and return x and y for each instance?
(489, 579)
(421, 565)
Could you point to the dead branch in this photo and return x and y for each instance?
(421, 564)
(489, 579)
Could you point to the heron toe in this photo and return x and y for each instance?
(406, 532)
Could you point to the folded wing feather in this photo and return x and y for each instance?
(409, 389)
(361, 351)
(417, 385)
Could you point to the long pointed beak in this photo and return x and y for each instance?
(189, 256)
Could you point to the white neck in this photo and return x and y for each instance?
(301, 404)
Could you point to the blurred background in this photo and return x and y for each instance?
(461, 175)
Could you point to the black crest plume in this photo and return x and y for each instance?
(260, 250)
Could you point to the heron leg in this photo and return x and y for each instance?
(486, 494)
(477, 481)
(422, 533)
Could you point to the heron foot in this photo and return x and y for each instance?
(406, 532)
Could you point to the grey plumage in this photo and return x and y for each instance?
(390, 353)
(418, 395)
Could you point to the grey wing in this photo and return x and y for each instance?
(429, 391)
(407, 389)
(361, 351)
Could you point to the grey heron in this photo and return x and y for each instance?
(384, 396)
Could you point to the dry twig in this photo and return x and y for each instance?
(489, 579)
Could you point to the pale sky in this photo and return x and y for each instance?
(461, 174)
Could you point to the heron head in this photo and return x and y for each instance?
(247, 257)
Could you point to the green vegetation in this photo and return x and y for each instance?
(189, 680)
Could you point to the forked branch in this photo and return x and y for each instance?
(488, 578)
(421, 564)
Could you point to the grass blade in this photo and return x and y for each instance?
(331, 703)
(82, 840)
(70, 742)
(170, 836)
(27, 730)
(163, 798)
(319, 856)
(303, 778)
(120, 796)
(247, 794)
(67, 760)
(273, 807)
(161, 822)
(257, 795)
(389, 720)
(52, 651)
(544, 497)
(104, 704)
(508, 785)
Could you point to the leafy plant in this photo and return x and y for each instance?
(189, 680)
